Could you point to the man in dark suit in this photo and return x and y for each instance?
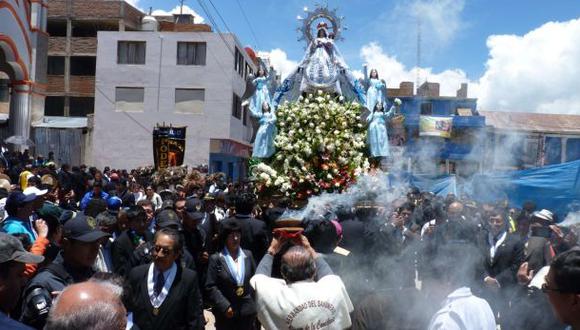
(196, 239)
(129, 247)
(504, 253)
(255, 236)
(163, 294)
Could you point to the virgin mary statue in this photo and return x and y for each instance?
(321, 68)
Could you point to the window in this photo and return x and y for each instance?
(246, 114)
(129, 99)
(237, 107)
(191, 53)
(553, 150)
(239, 62)
(572, 149)
(56, 28)
(90, 28)
(81, 106)
(189, 100)
(55, 65)
(83, 65)
(54, 106)
(131, 52)
(426, 109)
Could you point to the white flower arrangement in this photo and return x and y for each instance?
(320, 146)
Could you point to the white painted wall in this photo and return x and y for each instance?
(124, 140)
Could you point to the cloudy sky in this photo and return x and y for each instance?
(517, 55)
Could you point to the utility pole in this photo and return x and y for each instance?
(418, 64)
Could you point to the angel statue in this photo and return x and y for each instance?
(376, 90)
(377, 136)
(321, 68)
(264, 142)
(258, 90)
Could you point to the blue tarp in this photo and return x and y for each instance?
(441, 185)
(553, 187)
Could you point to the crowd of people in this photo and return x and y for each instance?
(82, 248)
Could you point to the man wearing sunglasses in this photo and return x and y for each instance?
(563, 287)
(163, 294)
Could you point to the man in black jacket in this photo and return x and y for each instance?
(255, 236)
(129, 247)
(504, 253)
(538, 249)
(80, 247)
(164, 295)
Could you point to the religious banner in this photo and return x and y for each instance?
(435, 126)
(168, 146)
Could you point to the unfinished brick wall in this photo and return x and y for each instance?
(428, 89)
(57, 45)
(57, 8)
(132, 17)
(405, 89)
(55, 84)
(81, 45)
(82, 86)
(95, 9)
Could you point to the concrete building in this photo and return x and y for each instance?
(72, 50)
(23, 44)
(520, 140)
(193, 79)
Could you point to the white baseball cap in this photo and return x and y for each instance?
(34, 190)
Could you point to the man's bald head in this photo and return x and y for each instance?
(455, 209)
(297, 265)
(88, 305)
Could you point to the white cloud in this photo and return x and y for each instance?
(440, 21)
(394, 72)
(536, 72)
(186, 10)
(279, 60)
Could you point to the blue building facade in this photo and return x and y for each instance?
(465, 147)
(229, 157)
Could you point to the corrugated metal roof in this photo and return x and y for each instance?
(63, 122)
(533, 122)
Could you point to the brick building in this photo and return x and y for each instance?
(72, 50)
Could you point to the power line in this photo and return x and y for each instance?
(220, 16)
(215, 25)
(249, 25)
